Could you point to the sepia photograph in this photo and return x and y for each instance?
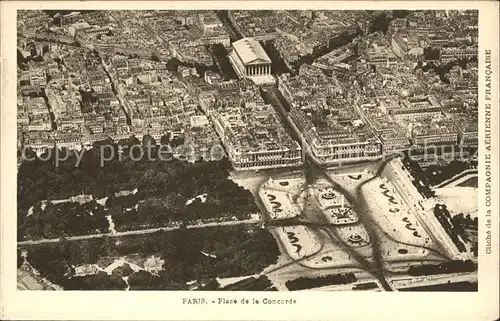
(247, 150)
(253, 150)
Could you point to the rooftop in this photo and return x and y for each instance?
(250, 51)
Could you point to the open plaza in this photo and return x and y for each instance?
(335, 207)
(286, 198)
(280, 197)
(335, 233)
(352, 177)
(335, 255)
(299, 241)
(397, 221)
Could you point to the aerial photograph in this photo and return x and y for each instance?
(247, 150)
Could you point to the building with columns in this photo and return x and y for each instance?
(249, 59)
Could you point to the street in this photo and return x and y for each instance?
(138, 232)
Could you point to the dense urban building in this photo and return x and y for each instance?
(254, 138)
(251, 131)
(331, 128)
(352, 103)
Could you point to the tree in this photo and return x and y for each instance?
(177, 141)
(20, 259)
(133, 141)
(124, 270)
(165, 139)
(143, 279)
(148, 140)
(47, 230)
(149, 147)
(431, 53)
(173, 201)
(380, 22)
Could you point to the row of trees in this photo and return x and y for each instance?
(452, 287)
(454, 231)
(455, 266)
(310, 283)
(261, 283)
(421, 180)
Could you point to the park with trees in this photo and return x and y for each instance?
(234, 251)
(164, 188)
